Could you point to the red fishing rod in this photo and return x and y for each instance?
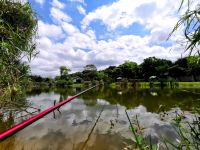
(31, 120)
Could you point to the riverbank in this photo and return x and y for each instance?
(158, 84)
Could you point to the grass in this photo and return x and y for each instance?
(188, 134)
(77, 85)
(138, 137)
(189, 84)
(146, 85)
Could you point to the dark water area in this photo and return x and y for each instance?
(96, 120)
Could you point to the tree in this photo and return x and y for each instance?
(194, 65)
(65, 79)
(180, 68)
(153, 66)
(100, 75)
(18, 25)
(129, 69)
(90, 67)
(64, 71)
(89, 72)
(190, 20)
(110, 72)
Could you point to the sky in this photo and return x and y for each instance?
(75, 33)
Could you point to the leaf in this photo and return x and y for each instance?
(181, 5)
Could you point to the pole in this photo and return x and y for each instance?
(31, 120)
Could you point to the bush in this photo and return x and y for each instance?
(95, 82)
(61, 83)
(87, 83)
(17, 32)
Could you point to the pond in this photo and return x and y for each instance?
(96, 120)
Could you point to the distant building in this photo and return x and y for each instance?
(119, 79)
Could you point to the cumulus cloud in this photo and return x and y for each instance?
(81, 10)
(49, 30)
(69, 28)
(101, 53)
(59, 16)
(79, 1)
(124, 13)
(41, 2)
(80, 46)
(57, 4)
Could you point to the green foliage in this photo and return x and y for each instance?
(111, 72)
(100, 75)
(153, 66)
(87, 83)
(63, 83)
(18, 24)
(189, 66)
(89, 72)
(64, 71)
(188, 134)
(64, 79)
(95, 82)
(129, 69)
(190, 20)
(138, 138)
(194, 65)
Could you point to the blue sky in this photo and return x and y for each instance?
(103, 32)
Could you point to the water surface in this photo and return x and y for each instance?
(96, 120)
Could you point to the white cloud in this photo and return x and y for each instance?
(69, 28)
(59, 16)
(81, 10)
(124, 13)
(81, 47)
(49, 30)
(79, 1)
(41, 2)
(57, 4)
(102, 53)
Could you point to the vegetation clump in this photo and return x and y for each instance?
(18, 25)
(190, 21)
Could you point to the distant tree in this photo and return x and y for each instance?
(90, 67)
(64, 79)
(117, 72)
(64, 71)
(129, 69)
(110, 73)
(36, 78)
(194, 65)
(180, 68)
(77, 76)
(148, 67)
(162, 68)
(153, 66)
(100, 75)
(89, 72)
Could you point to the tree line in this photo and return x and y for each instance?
(162, 69)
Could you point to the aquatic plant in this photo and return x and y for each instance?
(188, 134)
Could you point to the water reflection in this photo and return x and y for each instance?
(97, 120)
